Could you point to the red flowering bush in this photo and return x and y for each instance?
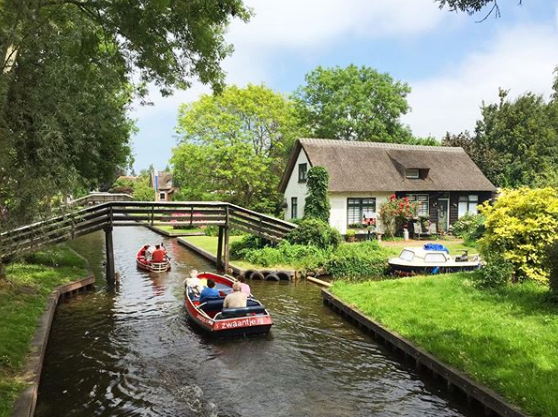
(395, 213)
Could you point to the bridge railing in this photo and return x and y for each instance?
(136, 213)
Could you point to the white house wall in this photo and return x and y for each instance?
(338, 201)
(296, 189)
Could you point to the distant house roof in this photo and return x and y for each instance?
(164, 180)
(371, 166)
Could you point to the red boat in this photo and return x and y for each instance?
(211, 317)
(146, 265)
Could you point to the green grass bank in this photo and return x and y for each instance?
(506, 339)
(23, 297)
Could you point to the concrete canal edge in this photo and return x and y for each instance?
(236, 270)
(24, 405)
(489, 399)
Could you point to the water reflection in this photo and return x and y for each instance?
(132, 352)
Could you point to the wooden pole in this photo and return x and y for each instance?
(110, 275)
(220, 248)
(226, 243)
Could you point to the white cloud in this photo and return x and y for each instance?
(519, 59)
(303, 23)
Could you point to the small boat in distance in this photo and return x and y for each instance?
(147, 265)
(431, 259)
(211, 317)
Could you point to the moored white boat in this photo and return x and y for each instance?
(420, 260)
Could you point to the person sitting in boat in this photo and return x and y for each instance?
(141, 253)
(209, 292)
(245, 288)
(158, 255)
(149, 252)
(236, 299)
(194, 282)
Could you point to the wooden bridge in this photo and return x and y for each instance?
(138, 213)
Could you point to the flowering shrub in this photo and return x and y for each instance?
(395, 213)
(520, 226)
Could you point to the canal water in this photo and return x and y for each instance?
(132, 352)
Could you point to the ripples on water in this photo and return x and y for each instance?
(132, 352)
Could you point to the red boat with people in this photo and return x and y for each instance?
(216, 320)
(153, 259)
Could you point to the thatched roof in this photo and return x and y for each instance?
(371, 166)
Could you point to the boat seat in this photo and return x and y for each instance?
(228, 313)
(212, 304)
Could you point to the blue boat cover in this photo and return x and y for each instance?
(435, 246)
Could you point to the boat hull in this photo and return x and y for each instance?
(408, 270)
(153, 267)
(227, 327)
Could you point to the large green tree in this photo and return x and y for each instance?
(516, 140)
(68, 72)
(353, 103)
(233, 146)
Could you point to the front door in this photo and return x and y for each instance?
(443, 214)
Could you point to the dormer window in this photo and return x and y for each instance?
(412, 173)
(302, 168)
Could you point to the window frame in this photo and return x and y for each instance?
(162, 195)
(302, 173)
(294, 207)
(351, 219)
(415, 198)
(470, 200)
(412, 176)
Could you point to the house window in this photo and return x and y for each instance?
(467, 204)
(412, 173)
(359, 208)
(294, 207)
(422, 200)
(162, 196)
(302, 168)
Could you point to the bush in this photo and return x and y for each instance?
(395, 213)
(299, 256)
(366, 259)
(496, 273)
(470, 227)
(317, 204)
(248, 242)
(315, 232)
(519, 226)
(551, 263)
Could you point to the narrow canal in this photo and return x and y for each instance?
(132, 352)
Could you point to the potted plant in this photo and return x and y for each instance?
(350, 236)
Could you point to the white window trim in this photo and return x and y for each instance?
(410, 173)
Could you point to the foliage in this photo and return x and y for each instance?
(353, 103)
(350, 233)
(317, 204)
(67, 74)
(505, 339)
(470, 227)
(496, 273)
(395, 213)
(472, 6)
(358, 260)
(248, 242)
(142, 188)
(123, 185)
(551, 264)
(233, 147)
(519, 226)
(298, 256)
(316, 233)
(516, 141)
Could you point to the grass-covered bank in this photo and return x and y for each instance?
(506, 339)
(23, 297)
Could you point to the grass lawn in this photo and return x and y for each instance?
(454, 246)
(23, 297)
(506, 339)
(171, 229)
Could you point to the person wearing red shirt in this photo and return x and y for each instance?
(158, 255)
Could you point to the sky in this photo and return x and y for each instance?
(452, 61)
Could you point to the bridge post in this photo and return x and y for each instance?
(110, 275)
(226, 241)
(220, 248)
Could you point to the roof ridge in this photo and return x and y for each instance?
(384, 145)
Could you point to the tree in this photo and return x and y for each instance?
(316, 205)
(473, 6)
(233, 146)
(353, 104)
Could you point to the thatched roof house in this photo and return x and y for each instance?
(444, 180)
